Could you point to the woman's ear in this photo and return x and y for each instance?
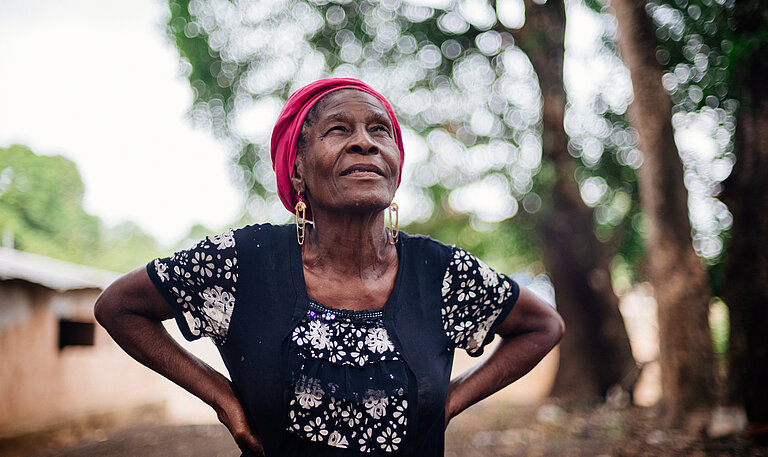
(297, 178)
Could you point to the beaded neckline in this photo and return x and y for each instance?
(317, 310)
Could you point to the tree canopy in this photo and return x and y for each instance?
(466, 94)
(41, 211)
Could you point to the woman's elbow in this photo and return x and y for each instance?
(131, 295)
(555, 327)
(119, 299)
(105, 309)
(549, 326)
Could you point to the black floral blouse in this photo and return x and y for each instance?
(347, 384)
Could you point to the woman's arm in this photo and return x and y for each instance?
(132, 311)
(528, 333)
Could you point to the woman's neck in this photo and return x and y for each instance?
(349, 244)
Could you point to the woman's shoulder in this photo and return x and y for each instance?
(426, 250)
(265, 233)
(424, 242)
(266, 228)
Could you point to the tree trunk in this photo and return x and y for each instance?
(746, 265)
(679, 280)
(595, 353)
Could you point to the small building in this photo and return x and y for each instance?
(56, 363)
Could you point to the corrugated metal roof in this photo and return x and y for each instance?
(51, 273)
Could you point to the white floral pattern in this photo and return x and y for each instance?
(389, 440)
(400, 413)
(319, 335)
(342, 341)
(365, 421)
(308, 393)
(201, 282)
(224, 240)
(378, 341)
(337, 440)
(316, 429)
(375, 403)
(351, 415)
(474, 296)
(161, 270)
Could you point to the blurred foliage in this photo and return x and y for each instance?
(41, 211)
(707, 57)
(196, 233)
(720, 328)
(746, 46)
(41, 205)
(696, 48)
(703, 52)
(465, 93)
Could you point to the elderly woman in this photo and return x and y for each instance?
(338, 335)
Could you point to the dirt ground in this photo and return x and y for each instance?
(483, 431)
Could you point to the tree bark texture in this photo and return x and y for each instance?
(746, 264)
(595, 353)
(679, 279)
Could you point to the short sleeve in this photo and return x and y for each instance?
(200, 285)
(475, 300)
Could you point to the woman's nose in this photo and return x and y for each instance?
(362, 143)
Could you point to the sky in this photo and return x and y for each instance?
(98, 82)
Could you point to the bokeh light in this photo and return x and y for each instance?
(471, 94)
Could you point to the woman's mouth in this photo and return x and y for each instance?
(362, 171)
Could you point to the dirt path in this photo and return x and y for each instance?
(155, 441)
(483, 431)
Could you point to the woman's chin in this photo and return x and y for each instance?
(369, 206)
(359, 206)
(353, 202)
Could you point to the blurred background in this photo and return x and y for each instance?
(608, 155)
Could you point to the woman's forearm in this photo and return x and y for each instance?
(132, 311)
(528, 333)
(149, 343)
(511, 359)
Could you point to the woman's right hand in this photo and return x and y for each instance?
(132, 311)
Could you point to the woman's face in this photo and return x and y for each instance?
(350, 160)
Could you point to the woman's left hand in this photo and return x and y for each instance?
(528, 333)
(230, 413)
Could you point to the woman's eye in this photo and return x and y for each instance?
(337, 128)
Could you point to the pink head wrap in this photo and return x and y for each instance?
(285, 135)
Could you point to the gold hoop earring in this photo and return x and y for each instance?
(393, 229)
(301, 220)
